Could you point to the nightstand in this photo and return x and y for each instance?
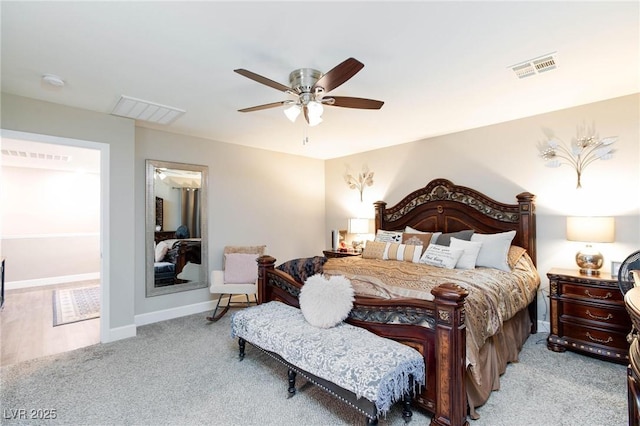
(632, 302)
(336, 253)
(588, 315)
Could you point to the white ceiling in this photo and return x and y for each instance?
(440, 67)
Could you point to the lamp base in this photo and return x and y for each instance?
(590, 272)
(589, 260)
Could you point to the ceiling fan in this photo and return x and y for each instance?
(310, 87)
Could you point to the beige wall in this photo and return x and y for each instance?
(117, 135)
(50, 218)
(502, 161)
(255, 197)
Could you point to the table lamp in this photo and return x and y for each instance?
(590, 229)
(358, 226)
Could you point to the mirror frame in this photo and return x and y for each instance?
(150, 227)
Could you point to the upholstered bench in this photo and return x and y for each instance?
(367, 371)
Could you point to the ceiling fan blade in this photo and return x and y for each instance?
(339, 74)
(265, 106)
(349, 102)
(263, 80)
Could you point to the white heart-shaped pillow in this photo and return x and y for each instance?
(326, 302)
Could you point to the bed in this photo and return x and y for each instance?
(172, 256)
(436, 327)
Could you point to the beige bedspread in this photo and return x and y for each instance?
(495, 296)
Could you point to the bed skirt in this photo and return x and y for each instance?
(494, 356)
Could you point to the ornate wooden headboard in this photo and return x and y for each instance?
(443, 206)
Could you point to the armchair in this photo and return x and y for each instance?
(238, 276)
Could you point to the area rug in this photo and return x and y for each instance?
(75, 304)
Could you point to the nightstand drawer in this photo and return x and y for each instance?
(605, 315)
(596, 336)
(587, 314)
(592, 293)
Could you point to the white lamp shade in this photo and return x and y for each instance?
(315, 111)
(292, 112)
(591, 229)
(358, 226)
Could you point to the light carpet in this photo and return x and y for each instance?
(75, 304)
(186, 372)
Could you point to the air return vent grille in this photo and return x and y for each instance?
(36, 155)
(535, 66)
(146, 111)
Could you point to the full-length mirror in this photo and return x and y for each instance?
(176, 227)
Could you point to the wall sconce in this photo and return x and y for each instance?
(586, 148)
(590, 230)
(359, 227)
(365, 178)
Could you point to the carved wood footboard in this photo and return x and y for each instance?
(435, 328)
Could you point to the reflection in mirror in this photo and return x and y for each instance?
(176, 227)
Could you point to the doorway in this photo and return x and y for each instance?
(55, 246)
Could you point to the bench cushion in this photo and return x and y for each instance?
(353, 358)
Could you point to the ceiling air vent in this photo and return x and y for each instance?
(535, 66)
(146, 111)
(36, 155)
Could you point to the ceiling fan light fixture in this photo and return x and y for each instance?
(292, 112)
(314, 121)
(310, 86)
(315, 111)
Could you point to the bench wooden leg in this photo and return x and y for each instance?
(292, 383)
(406, 408)
(241, 345)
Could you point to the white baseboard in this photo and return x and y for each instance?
(544, 326)
(14, 285)
(120, 333)
(152, 317)
(168, 314)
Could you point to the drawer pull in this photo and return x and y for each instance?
(608, 317)
(606, 296)
(604, 342)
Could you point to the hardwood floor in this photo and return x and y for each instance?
(26, 326)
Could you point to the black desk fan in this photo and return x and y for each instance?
(625, 277)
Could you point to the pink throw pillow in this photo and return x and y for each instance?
(240, 268)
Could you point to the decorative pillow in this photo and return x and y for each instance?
(161, 251)
(445, 239)
(515, 253)
(326, 302)
(410, 230)
(404, 252)
(303, 268)
(441, 256)
(374, 250)
(388, 236)
(469, 255)
(240, 268)
(423, 239)
(494, 250)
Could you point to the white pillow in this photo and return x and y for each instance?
(410, 230)
(326, 302)
(240, 268)
(434, 235)
(404, 252)
(494, 250)
(441, 256)
(161, 251)
(470, 254)
(388, 236)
